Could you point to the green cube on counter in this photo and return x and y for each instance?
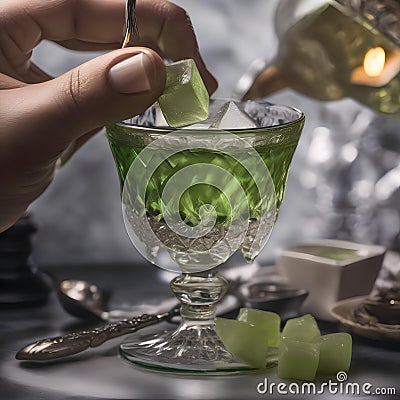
(298, 360)
(303, 329)
(268, 321)
(335, 353)
(243, 340)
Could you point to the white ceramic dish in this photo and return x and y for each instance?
(331, 270)
(343, 311)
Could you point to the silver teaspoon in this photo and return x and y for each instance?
(131, 23)
(73, 343)
(84, 299)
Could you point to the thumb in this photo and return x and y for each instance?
(107, 89)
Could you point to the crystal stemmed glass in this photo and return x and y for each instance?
(191, 197)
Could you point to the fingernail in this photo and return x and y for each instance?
(130, 75)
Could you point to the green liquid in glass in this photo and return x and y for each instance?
(256, 214)
(277, 158)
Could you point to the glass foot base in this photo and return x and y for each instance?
(189, 349)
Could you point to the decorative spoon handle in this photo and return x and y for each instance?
(131, 23)
(73, 343)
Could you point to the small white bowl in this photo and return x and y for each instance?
(331, 270)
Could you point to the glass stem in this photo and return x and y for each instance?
(198, 294)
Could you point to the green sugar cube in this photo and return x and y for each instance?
(335, 354)
(268, 321)
(185, 98)
(298, 360)
(304, 329)
(243, 340)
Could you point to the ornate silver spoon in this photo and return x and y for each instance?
(131, 23)
(83, 299)
(73, 343)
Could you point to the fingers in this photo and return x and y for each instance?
(169, 26)
(24, 23)
(6, 82)
(78, 23)
(28, 21)
(107, 89)
(35, 75)
(76, 44)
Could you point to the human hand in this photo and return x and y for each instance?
(43, 120)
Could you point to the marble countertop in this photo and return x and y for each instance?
(101, 374)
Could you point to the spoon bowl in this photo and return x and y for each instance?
(83, 299)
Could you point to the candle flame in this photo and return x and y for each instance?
(374, 61)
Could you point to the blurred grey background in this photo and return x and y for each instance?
(79, 216)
